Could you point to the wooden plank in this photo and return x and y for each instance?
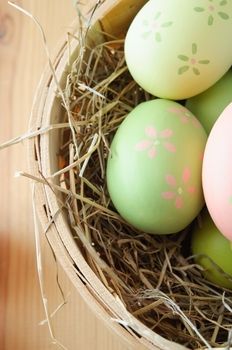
(22, 60)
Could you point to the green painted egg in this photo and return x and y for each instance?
(176, 49)
(154, 167)
(209, 105)
(213, 252)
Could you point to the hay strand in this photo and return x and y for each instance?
(185, 307)
(154, 277)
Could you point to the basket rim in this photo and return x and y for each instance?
(41, 219)
(57, 240)
(96, 295)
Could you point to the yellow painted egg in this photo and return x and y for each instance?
(176, 49)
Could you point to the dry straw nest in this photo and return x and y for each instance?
(154, 276)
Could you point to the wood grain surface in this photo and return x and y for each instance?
(22, 60)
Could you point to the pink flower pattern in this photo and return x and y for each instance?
(185, 116)
(154, 140)
(177, 190)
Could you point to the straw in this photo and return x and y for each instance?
(155, 277)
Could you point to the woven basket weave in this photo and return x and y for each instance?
(112, 17)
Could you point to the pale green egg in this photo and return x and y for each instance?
(154, 167)
(209, 105)
(212, 251)
(176, 49)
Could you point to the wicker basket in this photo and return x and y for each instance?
(113, 17)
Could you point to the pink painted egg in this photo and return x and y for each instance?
(217, 173)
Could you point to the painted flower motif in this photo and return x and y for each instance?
(185, 116)
(154, 26)
(178, 189)
(214, 10)
(154, 140)
(191, 62)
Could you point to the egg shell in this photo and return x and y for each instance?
(210, 247)
(208, 105)
(154, 167)
(217, 172)
(176, 49)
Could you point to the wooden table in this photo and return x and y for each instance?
(22, 59)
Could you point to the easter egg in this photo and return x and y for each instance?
(212, 251)
(217, 172)
(176, 49)
(154, 167)
(208, 105)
